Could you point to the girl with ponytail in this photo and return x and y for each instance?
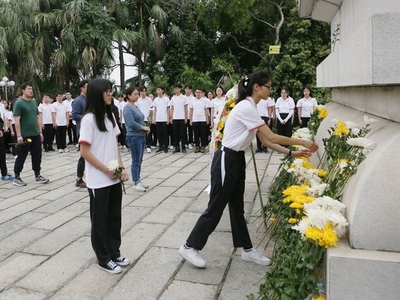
(228, 171)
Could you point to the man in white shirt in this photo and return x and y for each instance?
(145, 104)
(72, 137)
(179, 117)
(45, 113)
(61, 114)
(200, 119)
(161, 116)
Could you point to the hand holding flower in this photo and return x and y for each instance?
(301, 153)
(310, 145)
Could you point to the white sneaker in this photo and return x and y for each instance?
(66, 150)
(148, 150)
(255, 256)
(139, 187)
(190, 146)
(153, 147)
(60, 150)
(192, 256)
(77, 146)
(120, 146)
(171, 147)
(146, 186)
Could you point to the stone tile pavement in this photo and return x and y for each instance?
(45, 250)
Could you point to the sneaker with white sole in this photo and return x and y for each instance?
(66, 150)
(256, 256)
(192, 256)
(18, 181)
(148, 150)
(122, 261)
(146, 186)
(111, 267)
(139, 187)
(41, 179)
(190, 146)
(60, 150)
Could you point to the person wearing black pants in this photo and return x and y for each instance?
(200, 131)
(284, 111)
(162, 132)
(3, 165)
(228, 171)
(162, 118)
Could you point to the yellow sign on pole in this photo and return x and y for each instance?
(275, 49)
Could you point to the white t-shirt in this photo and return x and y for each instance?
(61, 110)
(103, 145)
(307, 106)
(10, 117)
(263, 106)
(46, 110)
(218, 103)
(199, 106)
(3, 112)
(284, 106)
(179, 103)
(241, 126)
(121, 109)
(161, 105)
(189, 100)
(144, 105)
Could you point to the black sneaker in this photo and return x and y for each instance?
(18, 181)
(176, 150)
(122, 261)
(159, 150)
(197, 150)
(184, 151)
(258, 150)
(111, 267)
(202, 150)
(41, 179)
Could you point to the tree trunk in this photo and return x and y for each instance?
(121, 65)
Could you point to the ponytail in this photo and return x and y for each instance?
(245, 86)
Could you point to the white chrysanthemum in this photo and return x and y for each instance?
(326, 202)
(113, 164)
(369, 121)
(367, 144)
(302, 226)
(318, 217)
(335, 121)
(303, 133)
(316, 189)
(351, 125)
(234, 92)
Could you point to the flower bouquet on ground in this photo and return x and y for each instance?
(114, 166)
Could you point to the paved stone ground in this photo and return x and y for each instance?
(45, 250)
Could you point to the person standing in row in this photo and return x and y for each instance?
(60, 114)
(99, 148)
(28, 127)
(284, 108)
(218, 102)
(136, 132)
(179, 118)
(78, 110)
(228, 171)
(45, 114)
(189, 98)
(3, 164)
(145, 103)
(71, 128)
(161, 116)
(200, 119)
(305, 107)
(266, 111)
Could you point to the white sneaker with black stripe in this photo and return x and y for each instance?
(122, 261)
(111, 267)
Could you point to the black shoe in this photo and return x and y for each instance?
(265, 150)
(166, 150)
(197, 150)
(176, 150)
(159, 150)
(184, 151)
(45, 150)
(258, 150)
(51, 149)
(202, 150)
(70, 143)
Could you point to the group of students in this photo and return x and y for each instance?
(283, 110)
(98, 141)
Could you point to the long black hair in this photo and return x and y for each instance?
(95, 102)
(245, 87)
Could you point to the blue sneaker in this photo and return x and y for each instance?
(7, 177)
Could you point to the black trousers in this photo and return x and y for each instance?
(162, 132)
(35, 147)
(200, 130)
(72, 137)
(305, 122)
(180, 133)
(3, 165)
(189, 132)
(285, 130)
(13, 140)
(229, 190)
(259, 144)
(48, 135)
(61, 137)
(105, 215)
(81, 167)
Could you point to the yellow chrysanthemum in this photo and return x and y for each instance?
(272, 219)
(323, 112)
(317, 298)
(293, 191)
(296, 205)
(341, 128)
(325, 237)
(232, 104)
(220, 125)
(293, 220)
(322, 173)
(29, 140)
